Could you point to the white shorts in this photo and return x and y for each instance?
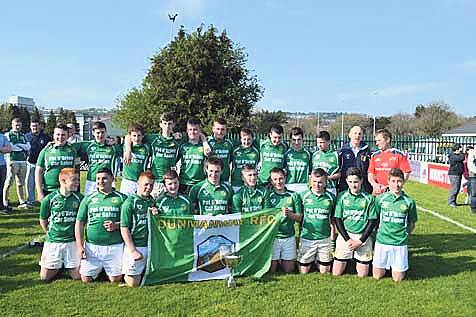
(128, 187)
(58, 254)
(298, 188)
(131, 267)
(362, 254)
(391, 257)
(159, 189)
(98, 257)
(319, 251)
(91, 187)
(284, 249)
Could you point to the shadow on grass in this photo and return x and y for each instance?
(434, 255)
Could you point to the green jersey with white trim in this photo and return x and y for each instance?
(242, 156)
(270, 156)
(61, 212)
(52, 159)
(248, 199)
(211, 199)
(298, 166)
(192, 159)
(328, 161)
(139, 159)
(17, 138)
(317, 210)
(97, 208)
(174, 206)
(395, 212)
(100, 155)
(355, 210)
(223, 150)
(164, 151)
(134, 215)
(290, 200)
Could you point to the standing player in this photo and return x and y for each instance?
(327, 159)
(245, 154)
(384, 160)
(135, 230)
(139, 159)
(57, 218)
(316, 230)
(171, 202)
(271, 152)
(192, 157)
(211, 196)
(250, 198)
(355, 219)
(100, 155)
(297, 162)
(221, 147)
(101, 213)
(51, 160)
(284, 246)
(397, 214)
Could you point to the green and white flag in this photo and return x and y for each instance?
(188, 248)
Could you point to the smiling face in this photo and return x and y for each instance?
(355, 136)
(60, 136)
(193, 132)
(250, 177)
(172, 186)
(219, 131)
(167, 127)
(246, 140)
(278, 181)
(70, 183)
(322, 144)
(275, 138)
(355, 183)
(104, 182)
(318, 184)
(145, 186)
(136, 137)
(395, 184)
(213, 173)
(382, 142)
(296, 142)
(100, 135)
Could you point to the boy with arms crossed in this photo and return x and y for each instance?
(284, 246)
(271, 153)
(328, 160)
(250, 198)
(211, 196)
(245, 154)
(317, 229)
(101, 213)
(397, 214)
(172, 203)
(355, 219)
(297, 162)
(58, 212)
(134, 229)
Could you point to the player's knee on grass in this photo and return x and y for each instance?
(74, 273)
(133, 280)
(398, 276)
(273, 267)
(339, 267)
(288, 266)
(115, 279)
(378, 273)
(47, 275)
(86, 279)
(362, 269)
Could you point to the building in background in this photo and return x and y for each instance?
(19, 101)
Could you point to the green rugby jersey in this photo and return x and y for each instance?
(164, 153)
(317, 210)
(99, 156)
(192, 159)
(248, 199)
(270, 156)
(52, 159)
(395, 212)
(355, 210)
(61, 212)
(174, 206)
(288, 199)
(17, 137)
(97, 208)
(139, 159)
(222, 149)
(240, 157)
(134, 215)
(328, 161)
(211, 199)
(298, 166)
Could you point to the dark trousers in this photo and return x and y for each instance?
(472, 181)
(3, 175)
(455, 182)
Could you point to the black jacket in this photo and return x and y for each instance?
(37, 142)
(456, 164)
(362, 161)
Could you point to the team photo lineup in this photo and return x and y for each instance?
(338, 200)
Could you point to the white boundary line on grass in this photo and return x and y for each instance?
(434, 213)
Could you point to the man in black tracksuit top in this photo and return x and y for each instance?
(455, 171)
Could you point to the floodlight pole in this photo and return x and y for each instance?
(375, 93)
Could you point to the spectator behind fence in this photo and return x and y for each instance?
(456, 158)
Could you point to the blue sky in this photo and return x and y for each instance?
(376, 57)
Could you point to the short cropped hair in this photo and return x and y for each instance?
(296, 131)
(62, 126)
(220, 120)
(396, 172)
(99, 125)
(319, 172)
(277, 170)
(167, 116)
(385, 133)
(354, 171)
(194, 121)
(248, 167)
(66, 172)
(147, 174)
(213, 160)
(247, 131)
(170, 174)
(276, 128)
(136, 127)
(324, 135)
(105, 170)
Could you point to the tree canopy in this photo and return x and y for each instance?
(202, 74)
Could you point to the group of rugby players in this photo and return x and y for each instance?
(177, 175)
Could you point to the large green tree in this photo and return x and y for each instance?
(202, 74)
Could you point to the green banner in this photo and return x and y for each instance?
(188, 248)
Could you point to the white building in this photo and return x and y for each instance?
(19, 101)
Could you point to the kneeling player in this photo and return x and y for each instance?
(249, 197)
(397, 214)
(284, 246)
(57, 217)
(101, 213)
(134, 229)
(317, 230)
(355, 219)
